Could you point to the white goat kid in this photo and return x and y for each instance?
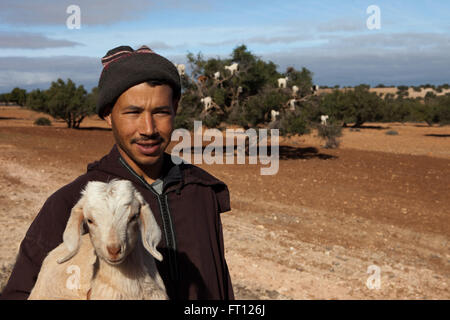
(292, 104)
(233, 68)
(217, 75)
(181, 69)
(282, 82)
(323, 119)
(116, 259)
(207, 103)
(274, 115)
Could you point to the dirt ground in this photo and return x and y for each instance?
(312, 231)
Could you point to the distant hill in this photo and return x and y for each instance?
(412, 93)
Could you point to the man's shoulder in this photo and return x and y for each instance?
(71, 191)
(195, 174)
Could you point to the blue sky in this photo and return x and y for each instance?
(328, 37)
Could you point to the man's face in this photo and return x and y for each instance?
(142, 123)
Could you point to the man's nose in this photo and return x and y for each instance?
(147, 124)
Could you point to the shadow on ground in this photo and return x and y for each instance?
(437, 135)
(94, 128)
(367, 127)
(285, 152)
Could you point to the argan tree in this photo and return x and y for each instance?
(69, 102)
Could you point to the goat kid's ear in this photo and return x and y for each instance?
(72, 233)
(150, 232)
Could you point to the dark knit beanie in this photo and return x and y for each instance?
(124, 68)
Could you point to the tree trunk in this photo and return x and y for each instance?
(77, 123)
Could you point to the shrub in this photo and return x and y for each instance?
(189, 109)
(42, 122)
(211, 120)
(291, 123)
(330, 132)
(392, 132)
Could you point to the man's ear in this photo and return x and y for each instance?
(108, 119)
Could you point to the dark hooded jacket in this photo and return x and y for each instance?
(187, 211)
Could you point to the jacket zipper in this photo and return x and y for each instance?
(169, 233)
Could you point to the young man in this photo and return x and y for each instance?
(138, 97)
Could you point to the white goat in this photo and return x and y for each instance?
(115, 260)
(282, 82)
(295, 89)
(207, 103)
(217, 75)
(323, 119)
(292, 104)
(315, 88)
(273, 115)
(233, 68)
(181, 69)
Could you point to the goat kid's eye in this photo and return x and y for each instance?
(134, 217)
(90, 221)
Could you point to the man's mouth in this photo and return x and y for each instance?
(148, 148)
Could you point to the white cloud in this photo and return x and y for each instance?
(403, 58)
(99, 12)
(30, 40)
(32, 73)
(47, 12)
(339, 25)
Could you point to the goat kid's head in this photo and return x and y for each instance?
(115, 212)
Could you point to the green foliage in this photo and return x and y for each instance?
(399, 110)
(42, 122)
(37, 101)
(330, 132)
(293, 122)
(4, 98)
(247, 97)
(302, 79)
(432, 109)
(211, 120)
(189, 109)
(18, 96)
(439, 110)
(70, 103)
(244, 98)
(256, 108)
(352, 106)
